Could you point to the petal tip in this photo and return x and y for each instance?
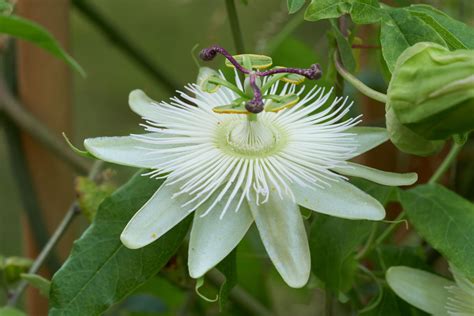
(139, 102)
(297, 281)
(132, 243)
(198, 265)
(195, 270)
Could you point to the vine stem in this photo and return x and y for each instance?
(442, 168)
(235, 26)
(70, 215)
(359, 85)
(447, 162)
(18, 113)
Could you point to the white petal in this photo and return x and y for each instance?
(282, 231)
(419, 288)
(122, 150)
(341, 199)
(212, 239)
(377, 176)
(141, 104)
(159, 214)
(368, 138)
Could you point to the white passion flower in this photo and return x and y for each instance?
(232, 170)
(431, 293)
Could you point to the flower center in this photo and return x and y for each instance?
(250, 139)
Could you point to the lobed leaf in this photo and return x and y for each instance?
(326, 9)
(100, 270)
(401, 30)
(333, 243)
(456, 34)
(445, 220)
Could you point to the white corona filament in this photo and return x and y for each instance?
(223, 157)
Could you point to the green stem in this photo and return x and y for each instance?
(46, 251)
(387, 232)
(376, 301)
(368, 243)
(359, 85)
(235, 26)
(447, 162)
(117, 38)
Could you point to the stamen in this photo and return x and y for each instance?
(209, 53)
(313, 73)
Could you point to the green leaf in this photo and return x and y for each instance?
(37, 281)
(401, 30)
(10, 311)
(32, 32)
(362, 11)
(445, 220)
(100, 271)
(294, 5)
(392, 305)
(327, 9)
(228, 267)
(365, 11)
(344, 48)
(394, 255)
(456, 34)
(333, 244)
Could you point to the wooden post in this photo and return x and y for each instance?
(44, 86)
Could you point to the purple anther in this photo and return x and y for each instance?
(314, 72)
(256, 104)
(211, 52)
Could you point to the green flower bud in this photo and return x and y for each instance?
(430, 97)
(12, 267)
